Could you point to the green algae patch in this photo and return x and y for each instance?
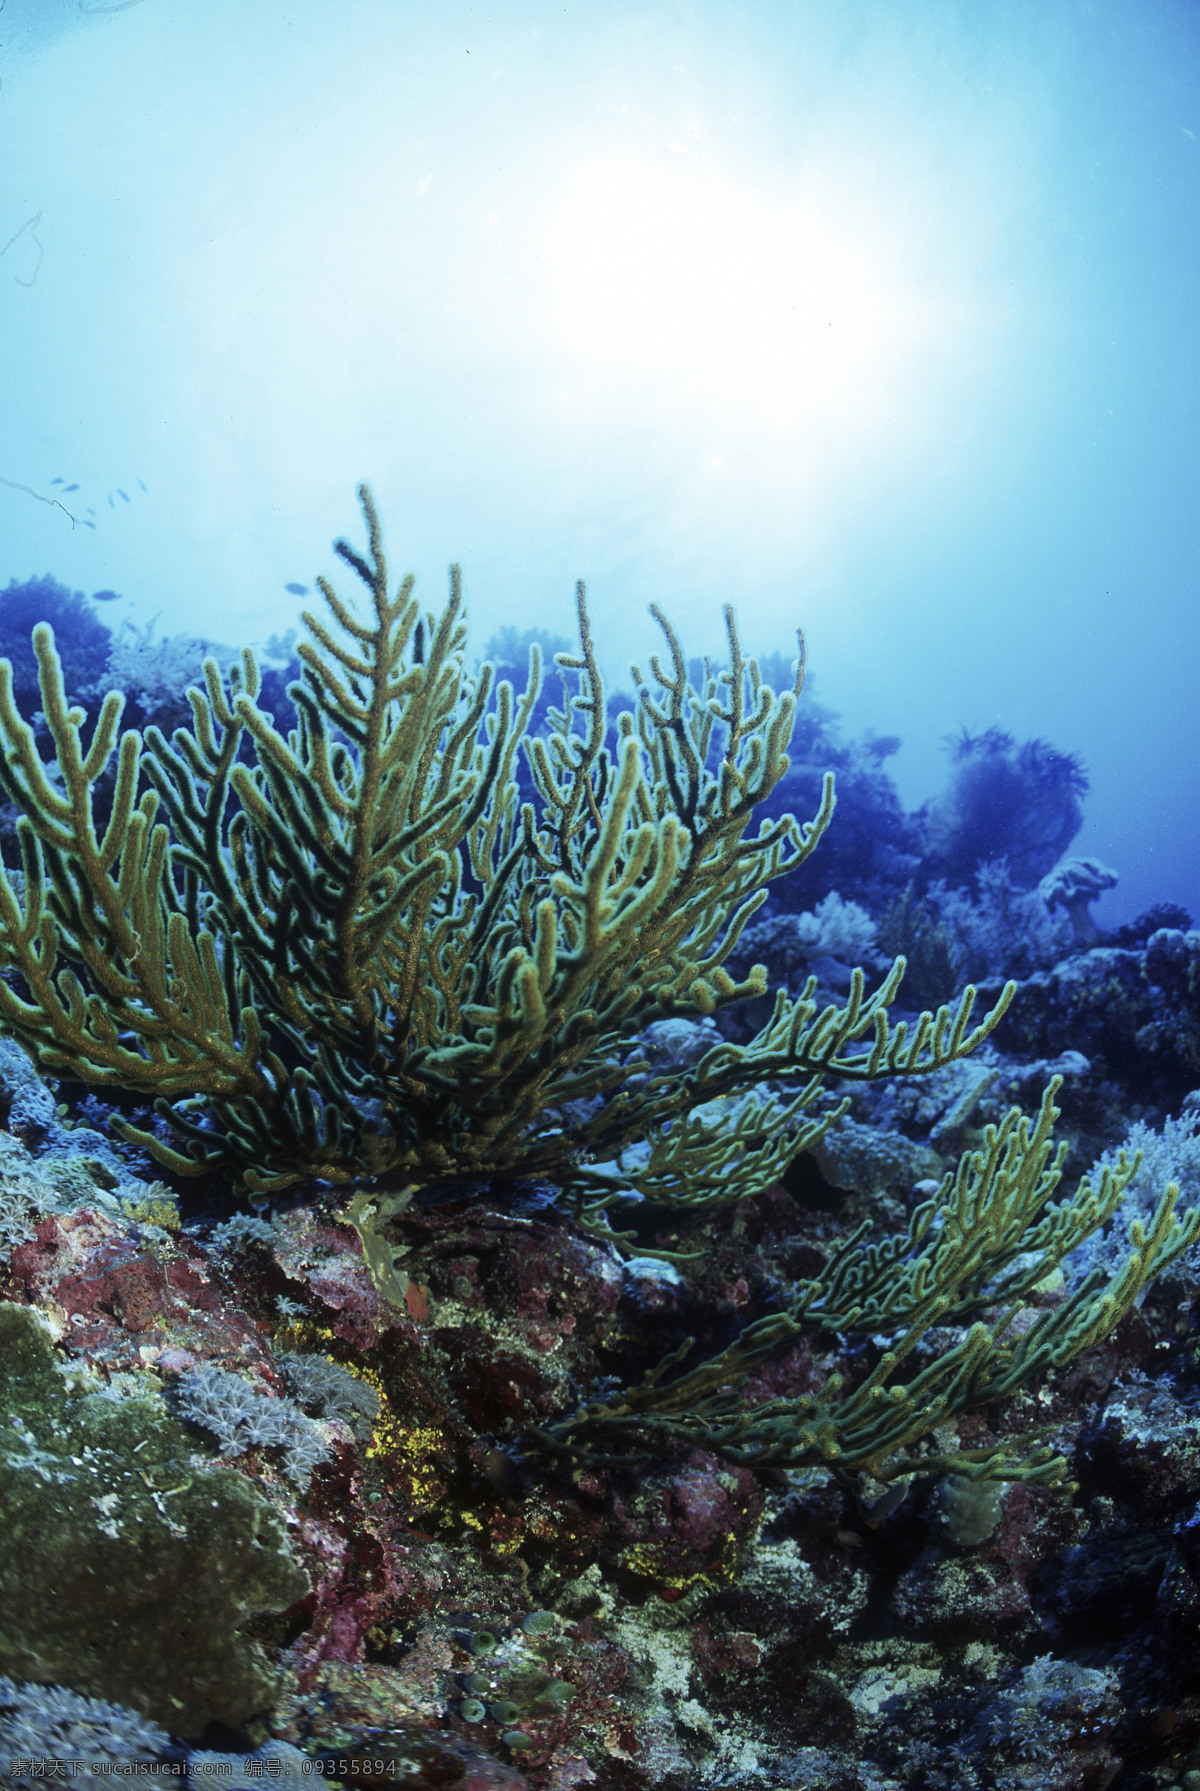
(129, 1569)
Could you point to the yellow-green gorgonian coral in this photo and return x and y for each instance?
(991, 1236)
(353, 951)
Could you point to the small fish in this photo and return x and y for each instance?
(120, 493)
(72, 488)
(142, 483)
(297, 590)
(105, 596)
(111, 505)
(502, 1474)
(90, 511)
(86, 523)
(56, 481)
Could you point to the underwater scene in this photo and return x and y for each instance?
(600, 1151)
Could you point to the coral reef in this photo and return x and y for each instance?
(714, 1623)
(46, 1722)
(1134, 1013)
(629, 1425)
(1074, 885)
(1016, 803)
(83, 638)
(874, 851)
(241, 1418)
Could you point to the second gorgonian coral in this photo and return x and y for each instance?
(352, 954)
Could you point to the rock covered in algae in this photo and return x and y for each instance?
(130, 1567)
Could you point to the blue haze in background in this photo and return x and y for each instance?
(882, 319)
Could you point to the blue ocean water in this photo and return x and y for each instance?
(874, 320)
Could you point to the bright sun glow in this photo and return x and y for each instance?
(781, 307)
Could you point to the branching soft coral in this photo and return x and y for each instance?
(362, 957)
